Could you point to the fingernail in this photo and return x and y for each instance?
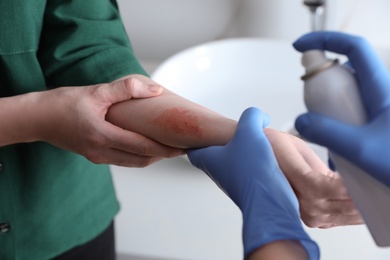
(154, 88)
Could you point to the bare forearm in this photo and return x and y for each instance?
(173, 120)
(280, 250)
(18, 116)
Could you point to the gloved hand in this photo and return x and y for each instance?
(367, 146)
(247, 171)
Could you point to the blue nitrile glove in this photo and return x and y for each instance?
(367, 146)
(247, 171)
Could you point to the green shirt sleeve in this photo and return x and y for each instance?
(84, 42)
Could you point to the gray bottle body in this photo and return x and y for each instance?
(332, 90)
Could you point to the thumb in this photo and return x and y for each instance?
(208, 159)
(252, 119)
(129, 88)
(195, 156)
(335, 135)
(250, 127)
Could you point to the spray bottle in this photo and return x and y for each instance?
(331, 90)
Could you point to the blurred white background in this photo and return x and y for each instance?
(172, 211)
(160, 28)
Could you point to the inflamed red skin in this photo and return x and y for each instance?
(179, 121)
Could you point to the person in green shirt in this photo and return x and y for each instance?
(56, 191)
(63, 66)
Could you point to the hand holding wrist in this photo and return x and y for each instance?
(73, 118)
(247, 171)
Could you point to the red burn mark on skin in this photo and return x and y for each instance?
(179, 121)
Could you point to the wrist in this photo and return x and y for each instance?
(270, 217)
(20, 124)
(44, 113)
(263, 235)
(280, 250)
(36, 108)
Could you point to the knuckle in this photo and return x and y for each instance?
(327, 226)
(141, 162)
(360, 42)
(143, 148)
(311, 221)
(171, 153)
(311, 217)
(98, 141)
(104, 93)
(95, 144)
(132, 84)
(145, 162)
(101, 90)
(94, 157)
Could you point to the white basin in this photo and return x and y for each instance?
(174, 211)
(231, 75)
